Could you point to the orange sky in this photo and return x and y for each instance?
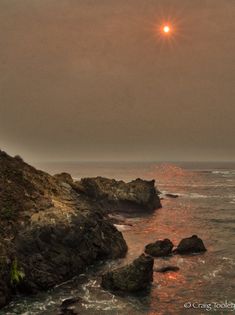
(92, 80)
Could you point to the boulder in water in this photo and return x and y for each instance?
(160, 248)
(190, 245)
(134, 277)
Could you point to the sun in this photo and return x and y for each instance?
(166, 29)
(169, 29)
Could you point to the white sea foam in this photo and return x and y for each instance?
(122, 227)
(107, 302)
(227, 173)
(230, 260)
(196, 195)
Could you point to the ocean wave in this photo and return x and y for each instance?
(223, 172)
(230, 260)
(228, 220)
(192, 195)
(96, 298)
(196, 195)
(122, 227)
(196, 185)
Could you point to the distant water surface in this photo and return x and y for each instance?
(206, 207)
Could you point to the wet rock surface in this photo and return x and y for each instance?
(160, 248)
(134, 277)
(190, 245)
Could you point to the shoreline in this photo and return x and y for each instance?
(59, 213)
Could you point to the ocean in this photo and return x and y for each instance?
(204, 284)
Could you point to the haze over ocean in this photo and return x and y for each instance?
(95, 80)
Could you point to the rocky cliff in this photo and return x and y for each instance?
(52, 228)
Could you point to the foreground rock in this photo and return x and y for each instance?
(48, 232)
(190, 245)
(52, 253)
(160, 248)
(117, 195)
(131, 278)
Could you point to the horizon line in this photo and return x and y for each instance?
(134, 161)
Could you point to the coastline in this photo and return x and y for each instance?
(189, 214)
(57, 227)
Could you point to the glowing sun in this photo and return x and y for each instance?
(169, 30)
(166, 29)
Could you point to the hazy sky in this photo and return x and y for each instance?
(91, 79)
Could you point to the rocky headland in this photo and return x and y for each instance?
(118, 196)
(52, 228)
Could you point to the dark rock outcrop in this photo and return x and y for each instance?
(167, 269)
(48, 232)
(160, 248)
(190, 245)
(52, 253)
(117, 195)
(134, 277)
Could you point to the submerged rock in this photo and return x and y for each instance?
(167, 268)
(160, 248)
(117, 195)
(171, 195)
(190, 245)
(131, 278)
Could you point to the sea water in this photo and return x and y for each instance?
(204, 284)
